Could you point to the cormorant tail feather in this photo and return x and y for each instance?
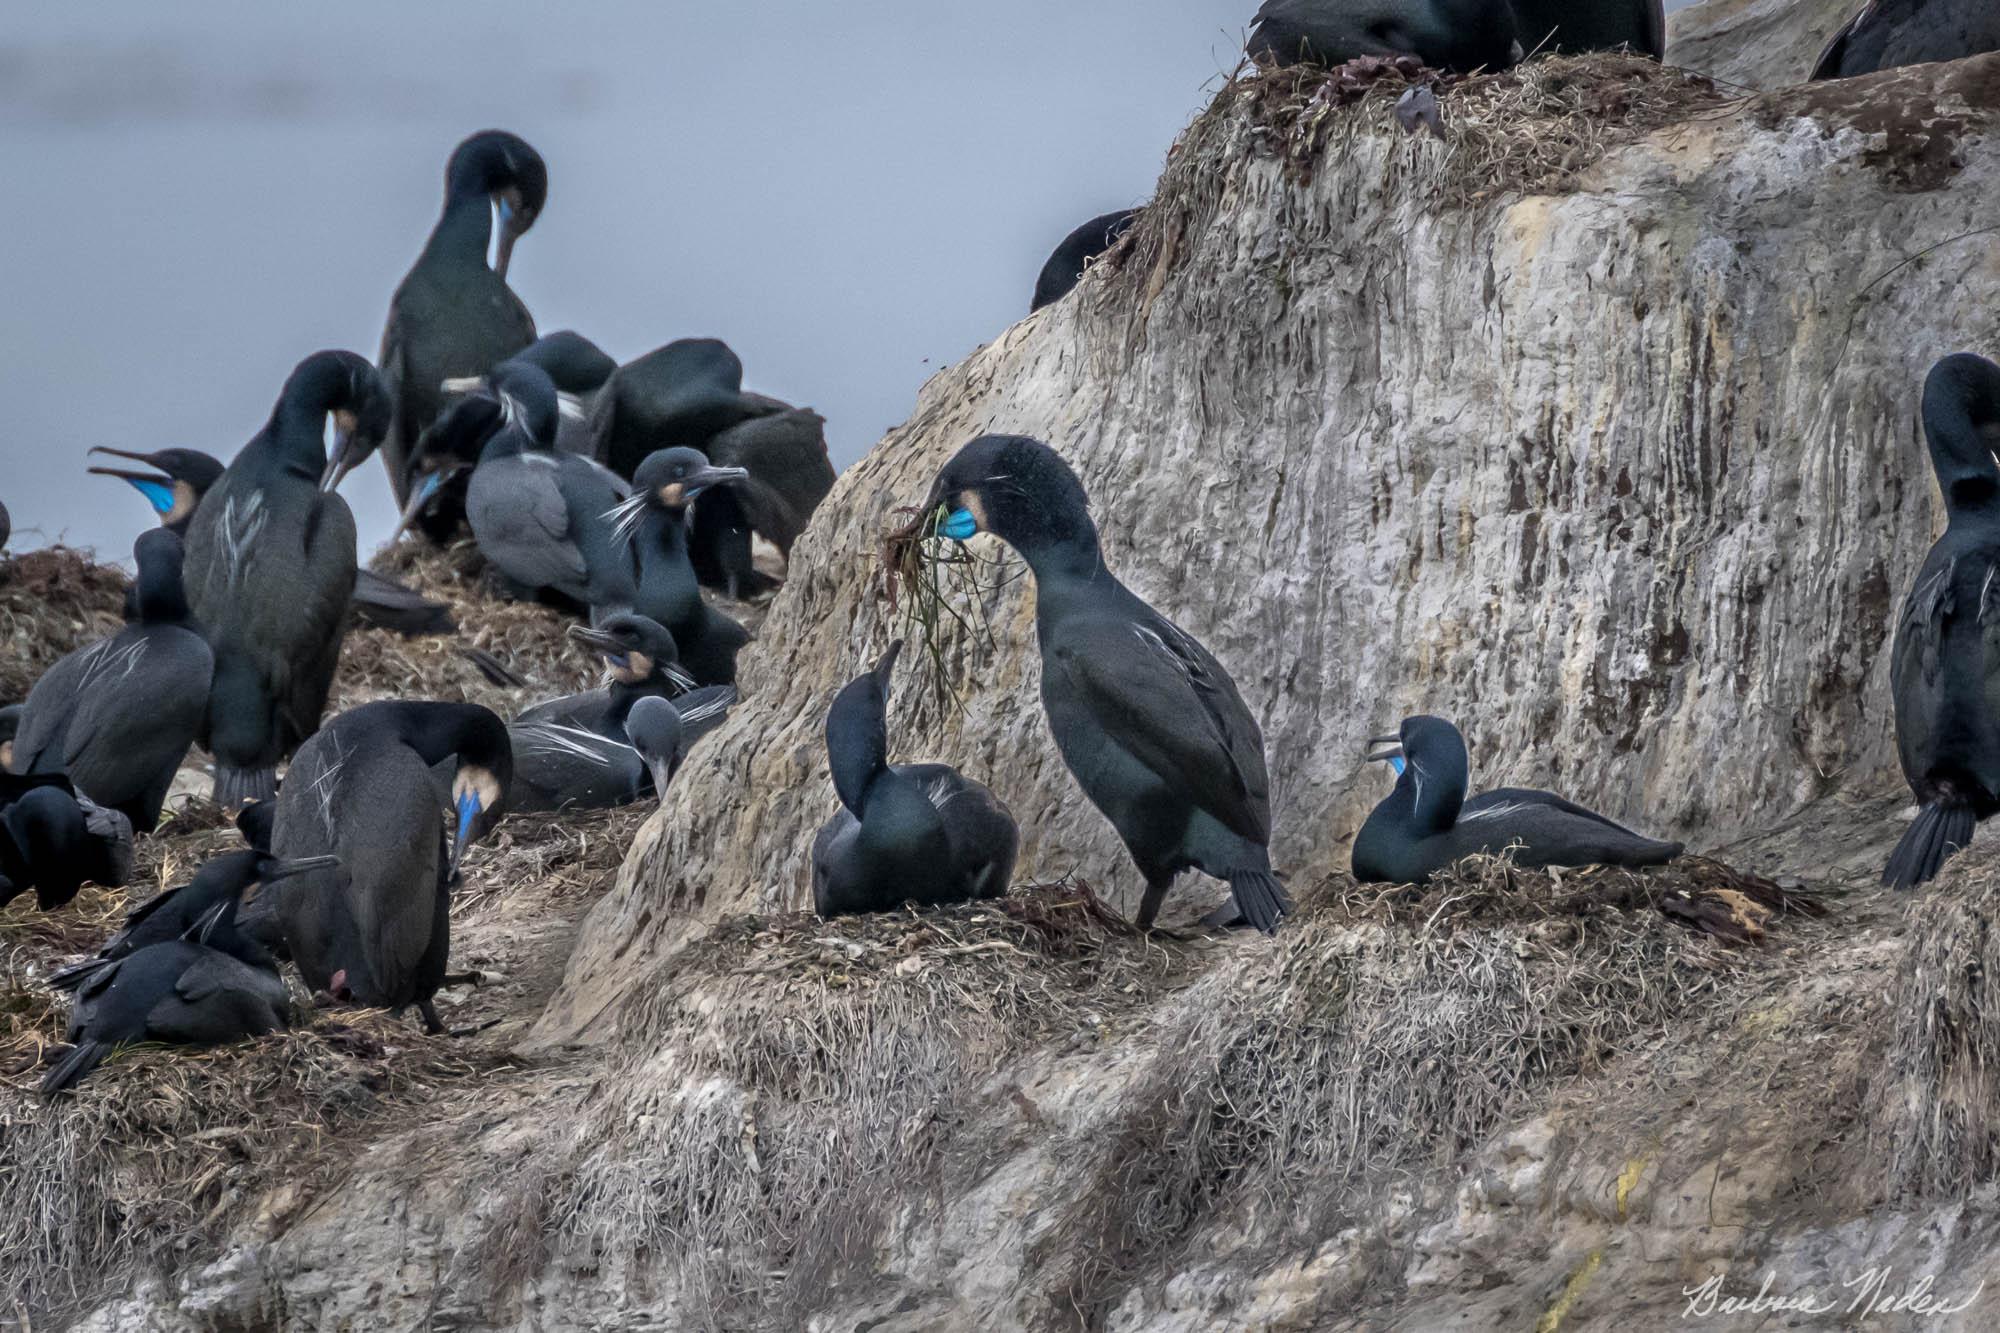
(1260, 898)
(82, 1058)
(72, 977)
(1940, 831)
(237, 787)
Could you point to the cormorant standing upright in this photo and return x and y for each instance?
(656, 521)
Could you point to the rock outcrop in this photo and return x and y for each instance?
(1591, 424)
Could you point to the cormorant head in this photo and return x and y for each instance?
(857, 731)
(476, 792)
(347, 388)
(671, 478)
(1428, 755)
(512, 175)
(10, 727)
(1018, 489)
(160, 595)
(1962, 423)
(174, 482)
(654, 728)
(636, 649)
(527, 401)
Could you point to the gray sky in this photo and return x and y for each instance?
(853, 195)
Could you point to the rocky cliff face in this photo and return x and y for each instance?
(1591, 424)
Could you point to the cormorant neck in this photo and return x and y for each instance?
(441, 731)
(857, 742)
(1432, 791)
(507, 442)
(464, 231)
(1963, 456)
(1068, 555)
(298, 422)
(161, 595)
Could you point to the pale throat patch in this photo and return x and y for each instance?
(638, 666)
(673, 495)
(970, 502)
(480, 782)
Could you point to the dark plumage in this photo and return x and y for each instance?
(118, 716)
(1944, 669)
(270, 570)
(1427, 823)
(454, 317)
(1147, 720)
(1459, 35)
(640, 660)
(176, 481)
(541, 518)
(1064, 268)
(181, 992)
(6, 526)
(1572, 27)
(370, 788)
(10, 726)
(232, 877)
(1891, 33)
(53, 840)
(921, 833)
(655, 522)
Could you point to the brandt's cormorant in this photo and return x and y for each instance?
(1149, 723)
(1944, 670)
(655, 521)
(270, 570)
(1890, 33)
(181, 992)
(640, 661)
(233, 877)
(541, 518)
(919, 833)
(118, 716)
(1064, 268)
(453, 317)
(370, 788)
(561, 765)
(1427, 823)
(53, 840)
(1572, 27)
(1458, 35)
(178, 480)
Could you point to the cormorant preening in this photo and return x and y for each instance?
(655, 521)
(541, 518)
(178, 480)
(53, 840)
(118, 716)
(1148, 722)
(370, 788)
(453, 316)
(232, 877)
(1944, 670)
(1458, 35)
(1427, 823)
(664, 730)
(271, 567)
(182, 992)
(1890, 33)
(921, 833)
(641, 660)
(1572, 27)
(1064, 268)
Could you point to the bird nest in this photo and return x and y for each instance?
(52, 602)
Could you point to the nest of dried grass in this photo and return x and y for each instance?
(807, 1071)
(1387, 1035)
(52, 602)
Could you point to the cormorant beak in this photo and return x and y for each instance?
(338, 462)
(712, 476)
(156, 485)
(1391, 754)
(468, 810)
(663, 772)
(420, 497)
(596, 638)
(887, 666)
(503, 206)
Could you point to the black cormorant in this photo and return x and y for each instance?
(1944, 670)
(1457, 35)
(1887, 34)
(920, 833)
(1572, 27)
(1427, 823)
(453, 316)
(370, 788)
(118, 716)
(1064, 268)
(655, 522)
(640, 660)
(1147, 720)
(54, 840)
(271, 566)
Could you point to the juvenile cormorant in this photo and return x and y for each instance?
(370, 788)
(1148, 721)
(177, 480)
(453, 316)
(1427, 823)
(1887, 34)
(271, 566)
(180, 992)
(1064, 268)
(1572, 27)
(1944, 670)
(118, 716)
(655, 521)
(921, 833)
(1456, 35)
(541, 517)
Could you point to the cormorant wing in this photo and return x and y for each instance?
(790, 473)
(1916, 660)
(1501, 800)
(43, 740)
(1162, 697)
(527, 518)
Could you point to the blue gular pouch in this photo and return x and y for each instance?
(158, 494)
(1396, 762)
(468, 810)
(959, 525)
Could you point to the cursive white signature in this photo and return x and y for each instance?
(1868, 1293)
